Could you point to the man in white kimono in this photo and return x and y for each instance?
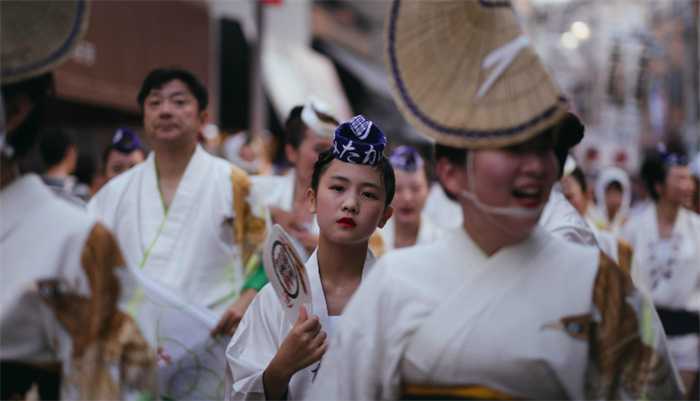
(308, 132)
(182, 216)
(61, 333)
(666, 261)
(500, 308)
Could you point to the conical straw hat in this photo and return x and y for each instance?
(463, 73)
(38, 35)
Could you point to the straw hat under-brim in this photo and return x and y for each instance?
(38, 35)
(464, 74)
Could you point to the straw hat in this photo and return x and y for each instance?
(38, 35)
(464, 74)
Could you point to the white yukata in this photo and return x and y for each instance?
(427, 233)
(191, 247)
(442, 211)
(278, 191)
(444, 320)
(60, 288)
(669, 268)
(263, 329)
(561, 219)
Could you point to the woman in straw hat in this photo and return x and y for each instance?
(500, 308)
(62, 333)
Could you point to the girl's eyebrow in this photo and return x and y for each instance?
(347, 180)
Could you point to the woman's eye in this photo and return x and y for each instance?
(336, 188)
(370, 195)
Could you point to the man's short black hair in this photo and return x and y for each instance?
(654, 169)
(54, 145)
(384, 166)
(157, 78)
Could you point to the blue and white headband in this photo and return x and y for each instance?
(406, 158)
(671, 159)
(359, 141)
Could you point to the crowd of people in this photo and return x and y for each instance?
(493, 267)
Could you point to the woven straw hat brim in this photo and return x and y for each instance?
(37, 36)
(435, 52)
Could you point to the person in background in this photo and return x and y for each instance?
(59, 154)
(409, 225)
(183, 216)
(62, 332)
(124, 152)
(308, 132)
(575, 189)
(613, 197)
(666, 263)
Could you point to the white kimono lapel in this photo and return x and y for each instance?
(496, 276)
(159, 231)
(318, 298)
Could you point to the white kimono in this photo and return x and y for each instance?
(262, 331)
(427, 233)
(59, 284)
(190, 249)
(441, 210)
(670, 270)
(514, 324)
(561, 219)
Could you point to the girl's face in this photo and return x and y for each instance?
(349, 202)
(410, 197)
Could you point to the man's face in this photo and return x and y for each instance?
(118, 162)
(171, 115)
(678, 186)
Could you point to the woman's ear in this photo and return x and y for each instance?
(388, 212)
(311, 200)
(449, 175)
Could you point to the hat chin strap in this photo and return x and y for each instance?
(508, 211)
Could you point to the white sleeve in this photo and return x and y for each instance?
(254, 344)
(362, 362)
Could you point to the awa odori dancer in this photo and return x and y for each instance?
(500, 308)
(273, 355)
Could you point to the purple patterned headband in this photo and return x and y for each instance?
(359, 141)
(406, 158)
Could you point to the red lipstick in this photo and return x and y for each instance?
(346, 222)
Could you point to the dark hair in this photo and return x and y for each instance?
(580, 178)
(294, 128)
(388, 178)
(39, 90)
(616, 185)
(54, 145)
(85, 168)
(456, 156)
(654, 169)
(157, 78)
